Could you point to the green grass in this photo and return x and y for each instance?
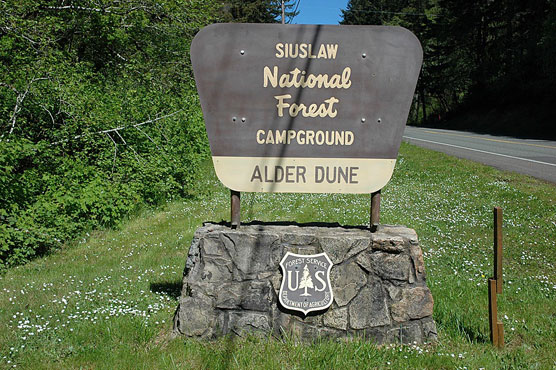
(107, 300)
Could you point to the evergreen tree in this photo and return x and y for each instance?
(258, 11)
(306, 281)
(479, 56)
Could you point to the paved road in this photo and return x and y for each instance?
(536, 158)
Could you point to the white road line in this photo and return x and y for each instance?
(481, 151)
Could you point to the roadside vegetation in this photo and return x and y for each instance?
(107, 300)
(98, 116)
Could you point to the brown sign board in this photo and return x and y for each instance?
(305, 108)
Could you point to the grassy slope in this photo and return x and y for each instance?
(108, 300)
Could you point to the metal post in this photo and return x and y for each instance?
(492, 311)
(500, 329)
(375, 210)
(236, 209)
(283, 13)
(495, 284)
(498, 248)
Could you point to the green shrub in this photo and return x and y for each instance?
(98, 116)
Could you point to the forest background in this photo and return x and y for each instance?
(99, 115)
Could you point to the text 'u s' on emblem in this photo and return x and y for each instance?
(306, 282)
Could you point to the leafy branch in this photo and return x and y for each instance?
(21, 95)
(117, 129)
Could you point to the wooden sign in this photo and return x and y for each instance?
(302, 108)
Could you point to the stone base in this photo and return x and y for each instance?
(232, 279)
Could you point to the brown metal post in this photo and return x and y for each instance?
(498, 248)
(492, 312)
(495, 284)
(236, 209)
(500, 328)
(375, 210)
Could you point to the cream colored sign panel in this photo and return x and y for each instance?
(304, 175)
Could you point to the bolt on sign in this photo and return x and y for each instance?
(304, 108)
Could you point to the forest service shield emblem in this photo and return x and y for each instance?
(306, 282)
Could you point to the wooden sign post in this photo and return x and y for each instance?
(375, 210)
(235, 206)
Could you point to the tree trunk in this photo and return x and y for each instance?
(424, 104)
(417, 110)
